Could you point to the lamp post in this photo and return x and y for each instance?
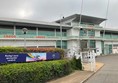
(80, 19)
(24, 32)
(61, 31)
(61, 34)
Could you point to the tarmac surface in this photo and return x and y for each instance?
(109, 73)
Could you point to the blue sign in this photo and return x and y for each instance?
(53, 56)
(8, 58)
(27, 57)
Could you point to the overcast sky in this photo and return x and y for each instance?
(50, 10)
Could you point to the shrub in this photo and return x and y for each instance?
(36, 72)
(61, 51)
(79, 64)
(11, 49)
(22, 50)
(76, 63)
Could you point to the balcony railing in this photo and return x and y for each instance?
(33, 37)
(88, 26)
(58, 37)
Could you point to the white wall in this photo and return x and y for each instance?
(72, 46)
(67, 21)
(75, 23)
(115, 46)
(97, 33)
(28, 43)
(69, 32)
(72, 43)
(73, 32)
(106, 42)
(99, 48)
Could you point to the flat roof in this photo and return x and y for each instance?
(110, 30)
(84, 18)
(32, 23)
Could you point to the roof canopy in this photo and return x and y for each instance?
(30, 23)
(84, 18)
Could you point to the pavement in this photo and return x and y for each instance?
(109, 73)
(78, 76)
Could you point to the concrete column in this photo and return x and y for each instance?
(56, 45)
(55, 32)
(14, 30)
(99, 47)
(37, 31)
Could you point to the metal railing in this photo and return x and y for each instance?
(64, 37)
(88, 26)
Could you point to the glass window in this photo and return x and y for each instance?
(92, 44)
(83, 32)
(91, 33)
(64, 44)
(6, 30)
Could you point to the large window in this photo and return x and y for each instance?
(64, 44)
(91, 33)
(83, 32)
(46, 33)
(31, 30)
(92, 44)
(9, 30)
(6, 30)
(109, 35)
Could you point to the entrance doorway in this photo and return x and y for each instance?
(83, 44)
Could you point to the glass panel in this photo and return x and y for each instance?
(102, 45)
(83, 32)
(19, 32)
(110, 49)
(46, 33)
(107, 35)
(29, 32)
(114, 36)
(92, 44)
(59, 34)
(6, 30)
(64, 44)
(106, 49)
(91, 33)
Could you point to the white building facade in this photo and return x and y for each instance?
(69, 34)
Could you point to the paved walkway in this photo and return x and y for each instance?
(77, 76)
(109, 73)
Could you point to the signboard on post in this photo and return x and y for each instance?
(88, 57)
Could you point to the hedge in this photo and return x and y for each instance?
(36, 72)
(12, 49)
(76, 63)
(22, 50)
(61, 51)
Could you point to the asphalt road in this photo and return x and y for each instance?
(109, 72)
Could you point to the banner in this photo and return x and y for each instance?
(35, 57)
(8, 58)
(53, 56)
(28, 57)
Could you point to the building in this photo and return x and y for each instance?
(67, 33)
(39, 34)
